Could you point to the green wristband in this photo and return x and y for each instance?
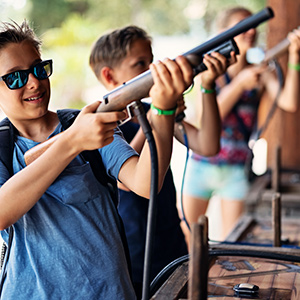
(158, 111)
(294, 66)
(205, 91)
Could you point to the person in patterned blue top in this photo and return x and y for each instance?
(239, 93)
(132, 55)
(67, 242)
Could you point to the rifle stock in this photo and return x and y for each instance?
(139, 87)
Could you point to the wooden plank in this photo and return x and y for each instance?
(259, 185)
(176, 285)
(242, 227)
(276, 279)
(287, 199)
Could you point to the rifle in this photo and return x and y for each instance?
(139, 87)
(258, 56)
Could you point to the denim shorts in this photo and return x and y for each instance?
(203, 180)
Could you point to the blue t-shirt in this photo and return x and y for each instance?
(169, 241)
(68, 246)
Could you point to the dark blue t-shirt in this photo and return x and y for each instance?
(169, 241)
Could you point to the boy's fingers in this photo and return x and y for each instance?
(90, 108)
(113, 116)
(186, 69)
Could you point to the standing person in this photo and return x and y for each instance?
(115, 58)
(67, 242)
(239, 93)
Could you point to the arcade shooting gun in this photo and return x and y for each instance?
(258, 56)
(139, 87)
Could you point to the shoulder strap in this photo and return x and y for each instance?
(67, 117)
(6, 156)
(7, 144)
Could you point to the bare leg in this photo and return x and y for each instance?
(231, 212)
(193, 208)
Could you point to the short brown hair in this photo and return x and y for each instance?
(14, 33)
(111, 48)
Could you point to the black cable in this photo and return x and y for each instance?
(254, 253)
(186, 143)
(143, 121)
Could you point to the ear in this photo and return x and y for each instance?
(107, 77)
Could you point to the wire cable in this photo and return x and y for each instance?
(152, 208)
(186, 143)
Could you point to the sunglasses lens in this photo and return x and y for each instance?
(16, 80)
(43, 70)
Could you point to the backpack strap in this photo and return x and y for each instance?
(67, 117)
(7, 131)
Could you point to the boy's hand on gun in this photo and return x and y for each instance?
(250, 77)
(294, 38)
(94, 130)
(171, 78)
(217, 65)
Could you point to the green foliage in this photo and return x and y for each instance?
(48, 13)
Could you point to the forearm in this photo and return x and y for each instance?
(20, 193)
(228, 97)
(206, 140)
(140, 169)
(289, 97)
(138, 141)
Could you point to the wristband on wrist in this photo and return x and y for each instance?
(206, 91)
(158, 111)
(294, 66)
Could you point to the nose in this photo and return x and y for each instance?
(32, 82)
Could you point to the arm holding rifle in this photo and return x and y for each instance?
(179, 78)
(289, 96)
(91, 131)
(205, 140)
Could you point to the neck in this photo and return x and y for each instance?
(38, 130)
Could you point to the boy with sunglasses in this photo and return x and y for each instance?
(67, 242)
(117, 57)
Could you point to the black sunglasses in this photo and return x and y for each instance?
(17, 79)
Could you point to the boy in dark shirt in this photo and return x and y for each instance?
(117, 57)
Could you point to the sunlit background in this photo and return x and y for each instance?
(68, 29)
